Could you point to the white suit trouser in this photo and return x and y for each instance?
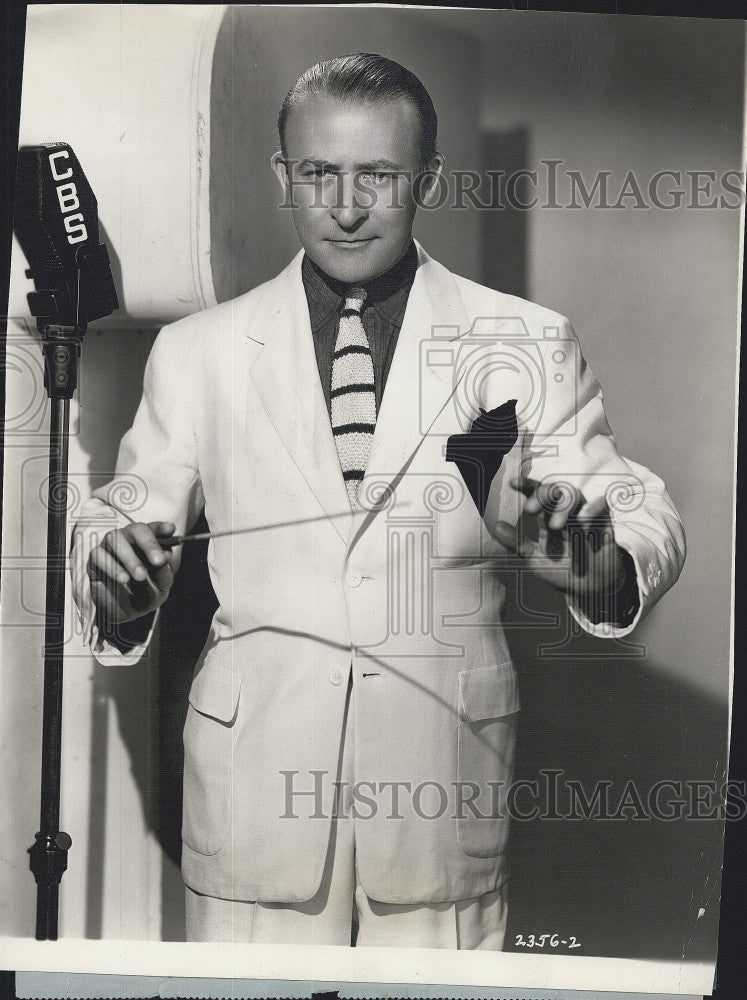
(341, 913)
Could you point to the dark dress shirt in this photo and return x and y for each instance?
(383, 312)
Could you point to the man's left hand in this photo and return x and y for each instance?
(566, 540)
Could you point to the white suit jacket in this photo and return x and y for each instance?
(407, 594)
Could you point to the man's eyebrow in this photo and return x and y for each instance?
(380, 165)
(311, 161)
(319, 162)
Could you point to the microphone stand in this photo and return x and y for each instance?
(73, 286)
(48, 855)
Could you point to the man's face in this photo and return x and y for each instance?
(349, 175)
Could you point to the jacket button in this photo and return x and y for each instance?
(336, 677)
(354, 579)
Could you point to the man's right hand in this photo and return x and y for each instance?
(130, 573)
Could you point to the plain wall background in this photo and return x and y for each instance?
(653, 297)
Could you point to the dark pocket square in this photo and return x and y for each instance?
(479, 453)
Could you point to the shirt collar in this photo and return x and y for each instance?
(387, 293)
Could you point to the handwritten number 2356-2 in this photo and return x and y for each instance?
(542, 940)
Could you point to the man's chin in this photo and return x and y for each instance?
(354, 265)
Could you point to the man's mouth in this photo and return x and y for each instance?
(352, 243)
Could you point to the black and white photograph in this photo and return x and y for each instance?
(369, 495)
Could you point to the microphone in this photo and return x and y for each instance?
(56, 222)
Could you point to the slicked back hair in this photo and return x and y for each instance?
(368, 78)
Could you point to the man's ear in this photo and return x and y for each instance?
(279, 168)
(429, 180)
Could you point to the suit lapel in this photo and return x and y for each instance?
(420, 384)
(285, 376)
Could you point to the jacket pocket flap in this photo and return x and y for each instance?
(215, 692)
(488, 692)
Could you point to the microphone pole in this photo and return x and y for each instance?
(56, 223)
(48, 856)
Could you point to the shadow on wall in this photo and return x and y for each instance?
(154, 701)
(185, 623)
(597, 712)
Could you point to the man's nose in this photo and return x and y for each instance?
(349, 208)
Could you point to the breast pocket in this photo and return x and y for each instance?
(210, 732)
(488, 707)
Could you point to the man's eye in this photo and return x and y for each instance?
(321, 172)
(376, 176)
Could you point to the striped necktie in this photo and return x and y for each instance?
(353, 394)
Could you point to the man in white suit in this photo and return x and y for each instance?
(349, 739)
